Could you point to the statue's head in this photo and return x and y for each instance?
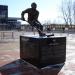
(34, 5)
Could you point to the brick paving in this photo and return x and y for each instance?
(9, 56)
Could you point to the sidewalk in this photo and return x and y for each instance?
(10, 55)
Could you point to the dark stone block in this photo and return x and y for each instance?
(43, 51)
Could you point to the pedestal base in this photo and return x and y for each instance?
(43, 51)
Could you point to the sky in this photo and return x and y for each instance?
(49, 9)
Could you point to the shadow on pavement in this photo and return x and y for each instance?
(21, 67)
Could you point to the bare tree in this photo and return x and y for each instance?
(67, 11)
(64, 12)
(74, 12)
(70, 12)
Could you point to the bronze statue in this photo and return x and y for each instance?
(33, 14)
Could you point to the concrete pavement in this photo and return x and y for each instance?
(9, 52)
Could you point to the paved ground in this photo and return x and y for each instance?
(9, 52)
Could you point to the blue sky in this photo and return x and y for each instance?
(49, 9)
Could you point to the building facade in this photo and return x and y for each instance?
(7, 23)
(3, 14)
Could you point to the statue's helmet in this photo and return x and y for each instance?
(33, 5)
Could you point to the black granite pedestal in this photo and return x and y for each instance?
(43, 51)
